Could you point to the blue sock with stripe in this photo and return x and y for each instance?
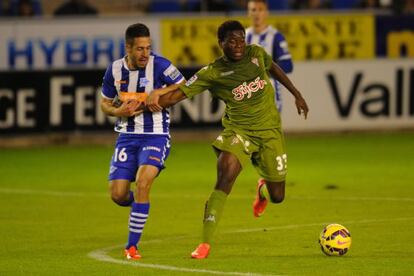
(137, 219)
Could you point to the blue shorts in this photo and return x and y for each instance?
(135, 150)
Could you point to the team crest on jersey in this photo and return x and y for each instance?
(248, 89)
(255, 61)
(234, 141)
(143, 82)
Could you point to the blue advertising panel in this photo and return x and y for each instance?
(395, 36)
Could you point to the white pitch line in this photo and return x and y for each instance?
(352, 198)
(48, 193)
(293, 226)
(101, 254)
(194, 196)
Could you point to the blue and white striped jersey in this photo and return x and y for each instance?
(158, 73)
(275, 45)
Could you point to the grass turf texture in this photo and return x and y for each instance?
(55, 210)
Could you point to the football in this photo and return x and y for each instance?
(335, 240)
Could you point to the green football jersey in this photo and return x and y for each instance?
(245, 88)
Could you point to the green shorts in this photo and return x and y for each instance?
(265, 149)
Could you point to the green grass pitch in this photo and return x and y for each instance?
(57, 218)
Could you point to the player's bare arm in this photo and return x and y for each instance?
(126, 109)
(300, 102)
(168, 96)
(152, 102)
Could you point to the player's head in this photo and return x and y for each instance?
(231, 38)
(258, 11)
(138, 45)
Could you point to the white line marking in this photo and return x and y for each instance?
(293, 226)
(47, 193)
(193, 196)
(352, 198)
(101, 254)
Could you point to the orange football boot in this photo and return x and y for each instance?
(132, 253)
(201, 251)
(259, 204)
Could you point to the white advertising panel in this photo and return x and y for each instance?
(66, 43)
(353, 95)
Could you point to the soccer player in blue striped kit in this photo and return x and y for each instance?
(143, 143)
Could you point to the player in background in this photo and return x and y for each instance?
(252, 128)
(143, 143)
(275, 44)
(265, 35)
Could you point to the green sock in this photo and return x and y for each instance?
(212, 213)
(264, 193)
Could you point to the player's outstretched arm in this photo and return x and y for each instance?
(166, 97)
(300, 102)
(152, 102)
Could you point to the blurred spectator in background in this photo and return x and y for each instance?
(369, 4)
(310, 4)
(408, 7)
(166, 6)
(343, 4)
(24, 8)
(214, 6)
(273, 41)
(403, 6)
(76, 7)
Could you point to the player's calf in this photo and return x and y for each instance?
(276, 191)
(276, 198)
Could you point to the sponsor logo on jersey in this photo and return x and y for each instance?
(154, 158)
(121, 82)
(172, 72)
(151, 148)
(248, 88)
(191, 80)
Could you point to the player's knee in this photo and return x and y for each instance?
(118, 197)
(277, 198)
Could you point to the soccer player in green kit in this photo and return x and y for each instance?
(252, 128)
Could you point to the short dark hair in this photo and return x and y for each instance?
(229, 26)
(259, 1)
(136, 30)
